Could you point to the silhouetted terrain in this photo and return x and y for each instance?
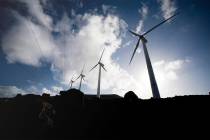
(74, 115)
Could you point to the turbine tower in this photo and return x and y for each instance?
(154, 86)
(81, 76)
(101, 65)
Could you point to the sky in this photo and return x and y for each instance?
(44, 43)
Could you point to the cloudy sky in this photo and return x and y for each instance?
(43, 43)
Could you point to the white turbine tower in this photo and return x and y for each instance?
(101, 65)
(81, 76)
(141, 37)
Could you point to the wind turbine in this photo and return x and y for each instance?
(81, 76)
(72, 81)
(141, 37)
(101, 65)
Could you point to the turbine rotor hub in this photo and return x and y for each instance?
(101, 64)
(143, 39)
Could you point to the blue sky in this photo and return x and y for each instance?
(44, 43)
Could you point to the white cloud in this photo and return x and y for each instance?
(168, 7)
(68, 51)
(54, 90)
(174, 65)
(45, 90)
(127, 44)
(108, 9)
(143, 13)
(36, 11)
(159, 63)
(138, 50)
(28, 43)
(33, 89)
(168, 76)
(57, 89)
(10, 91)
(171, 68)
(171, 75)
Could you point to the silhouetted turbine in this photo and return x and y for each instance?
(81, 76)
(101, 65)
(72, 81)
(155, 90)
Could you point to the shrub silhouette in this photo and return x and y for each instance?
(130, 97)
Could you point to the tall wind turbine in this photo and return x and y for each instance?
(81, 76)
(101, 65)
(141, 37)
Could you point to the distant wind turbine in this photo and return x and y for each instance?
(141, 37)
(72, 81)
(81, 76)
(101, 65)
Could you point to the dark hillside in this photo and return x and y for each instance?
(73, 115)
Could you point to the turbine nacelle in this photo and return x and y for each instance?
(101, 64)
(143, 39)
(82, 75)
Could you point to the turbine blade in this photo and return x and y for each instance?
(72, 77)
(83, 68)
(133, 33)
(101, 55)
(78, 77)
(159, 24)
(103, 68)
(94, 67)
(135, 50)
